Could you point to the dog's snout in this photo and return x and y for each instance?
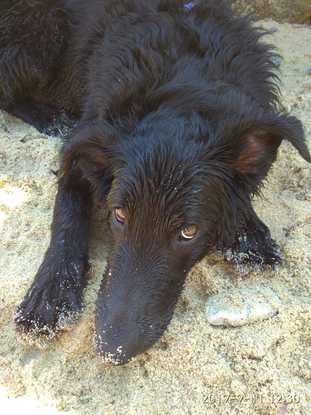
(115, 348)
(117, 337)
(135, 304)
(126, 325)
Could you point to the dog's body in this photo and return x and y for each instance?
(178, 123)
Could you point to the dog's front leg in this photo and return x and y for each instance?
(253, 244)
(55, 296)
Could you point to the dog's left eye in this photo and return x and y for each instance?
(189, 232)
(120, 215)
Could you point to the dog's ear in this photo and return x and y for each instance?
(257, 146)
(89, 154)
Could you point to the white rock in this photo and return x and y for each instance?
(239, 307)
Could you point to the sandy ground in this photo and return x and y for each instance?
(264, 368)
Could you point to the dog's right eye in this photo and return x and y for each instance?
(120, 215)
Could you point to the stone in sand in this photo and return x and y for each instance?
(239, 307)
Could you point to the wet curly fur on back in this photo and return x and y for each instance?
(175, 120)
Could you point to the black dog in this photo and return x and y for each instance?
(178, 123)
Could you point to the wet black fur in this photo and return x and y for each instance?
(177, 120)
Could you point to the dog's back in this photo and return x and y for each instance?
(115, 55)
(136, 50)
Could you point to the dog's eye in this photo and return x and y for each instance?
(189, 232)
(120, 215)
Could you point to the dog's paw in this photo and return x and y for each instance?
(53, 303)
(258, 253)
(42, 314)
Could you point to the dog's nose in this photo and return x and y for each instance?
(114, 353)
(117, 341)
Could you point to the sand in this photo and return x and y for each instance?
(295, 11)
(263, 368)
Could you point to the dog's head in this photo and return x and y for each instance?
(175, 188)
